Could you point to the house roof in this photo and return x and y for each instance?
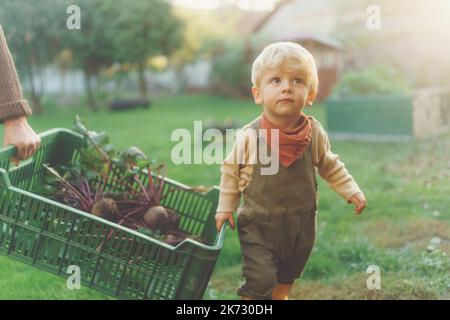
(248, 20)
(298, 36)
(320, 38)
(264, 20)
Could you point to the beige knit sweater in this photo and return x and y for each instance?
(236, 177)
(12, 104)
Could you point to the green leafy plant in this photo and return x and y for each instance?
(231, 70)
(373, 79)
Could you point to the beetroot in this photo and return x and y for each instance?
(173, 239)
(157, 218)
(106, 208)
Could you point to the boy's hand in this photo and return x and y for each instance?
(360, 202)
(221, 217)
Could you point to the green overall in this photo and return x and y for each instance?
(277, 225)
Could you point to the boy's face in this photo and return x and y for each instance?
(283, 93)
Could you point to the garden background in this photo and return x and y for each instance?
(193, 63)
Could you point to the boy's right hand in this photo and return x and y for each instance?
(221, 217)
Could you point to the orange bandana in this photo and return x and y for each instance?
(294, 142)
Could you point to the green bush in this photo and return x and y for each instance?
(373, 79)
(231, 70)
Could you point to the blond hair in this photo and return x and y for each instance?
(286, 54)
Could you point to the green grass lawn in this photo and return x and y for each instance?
(406, 185)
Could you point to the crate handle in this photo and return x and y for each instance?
(8, 152)
(213, 194)
(4, 179)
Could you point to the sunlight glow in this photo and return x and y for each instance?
(257, 5)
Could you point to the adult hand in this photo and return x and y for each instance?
(19, 133)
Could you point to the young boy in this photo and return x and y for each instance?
(277, 221)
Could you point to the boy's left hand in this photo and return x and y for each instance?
(359, 200)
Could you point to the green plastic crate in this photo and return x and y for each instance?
(52, 236)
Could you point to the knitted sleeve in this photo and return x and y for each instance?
(330, 167)
(229, 182)
(12, 104)
(237, 172)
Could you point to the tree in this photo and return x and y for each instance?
(91, 46)
(142, 29)
(33, 31)
(231, 69)
(200, 38)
